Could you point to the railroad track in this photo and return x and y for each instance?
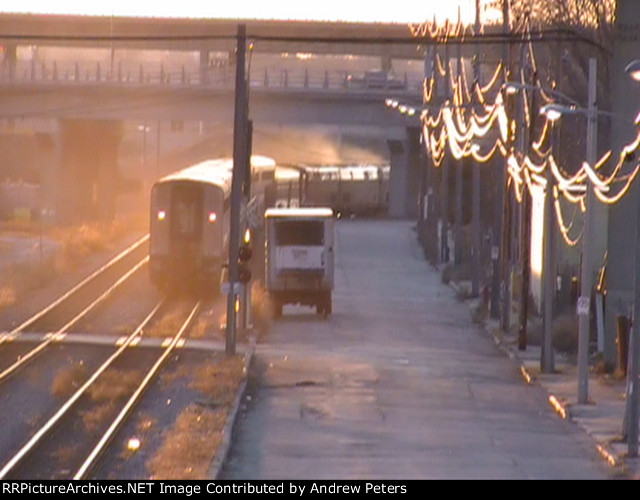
(34, 458)
(57, 319)
(37, 422)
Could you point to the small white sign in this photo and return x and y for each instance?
(226, 288)
(583, 305)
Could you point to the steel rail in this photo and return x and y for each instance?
(19, 329)
(10, 465)
(104, 441)
(59, 334)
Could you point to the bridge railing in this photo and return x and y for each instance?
(128, 73)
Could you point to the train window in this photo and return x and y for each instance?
(186, 209)
(296, 232)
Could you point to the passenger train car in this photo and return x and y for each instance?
(348, 190)
(189, 221)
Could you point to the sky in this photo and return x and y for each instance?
(387, 11)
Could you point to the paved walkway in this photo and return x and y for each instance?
(602, 417)
(350, 396)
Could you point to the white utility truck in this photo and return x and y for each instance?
(299, 257)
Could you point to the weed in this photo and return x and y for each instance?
(190, 445)
(68, 380)
(261, 309)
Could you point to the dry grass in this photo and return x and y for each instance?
(191, 444)
(7, 296)
(261, 310)
(144, 425)
(219, 380)
(565, 333)
(200, 328)
(67, 380)
(112, 385)
(75, 244)
(115, 384)
(168, 325)
(94, 418)
(65, 453)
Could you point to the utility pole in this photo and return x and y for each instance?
(475, 179)
(459, 165)
(584, 301)
(633, 391)
(502, 270)
(433, 194)
(546, 355)
(525, 235)
(444, 200)
(239, 168)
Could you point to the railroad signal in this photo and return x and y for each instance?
(244, 256)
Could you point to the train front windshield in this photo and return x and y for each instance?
(186, 203)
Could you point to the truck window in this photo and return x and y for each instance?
(296, 232)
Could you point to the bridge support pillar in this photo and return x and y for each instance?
(88, 170)
(8, 61)
(204, 66)
(404, 178)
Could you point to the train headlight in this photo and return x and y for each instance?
(161, 214)
(212, 217)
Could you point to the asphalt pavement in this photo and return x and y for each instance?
(601, 419)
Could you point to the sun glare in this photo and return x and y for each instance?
(400, 11)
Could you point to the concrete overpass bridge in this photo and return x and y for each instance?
(116, 95)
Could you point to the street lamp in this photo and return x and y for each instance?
(514, 87)
(553, 112)
(546, 360)
(633, 69)
(633, 396)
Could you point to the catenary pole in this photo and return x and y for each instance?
(239, 167)
(587, 247)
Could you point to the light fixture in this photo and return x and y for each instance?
(633, 69)
(553, 111)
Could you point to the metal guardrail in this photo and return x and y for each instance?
(32, 72)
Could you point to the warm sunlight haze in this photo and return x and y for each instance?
(400, 11)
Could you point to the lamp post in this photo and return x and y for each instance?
(547, 358)
(525, 215)
(553, 112)
(633, 396)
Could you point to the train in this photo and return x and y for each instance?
(360, 190)
(190, 220)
